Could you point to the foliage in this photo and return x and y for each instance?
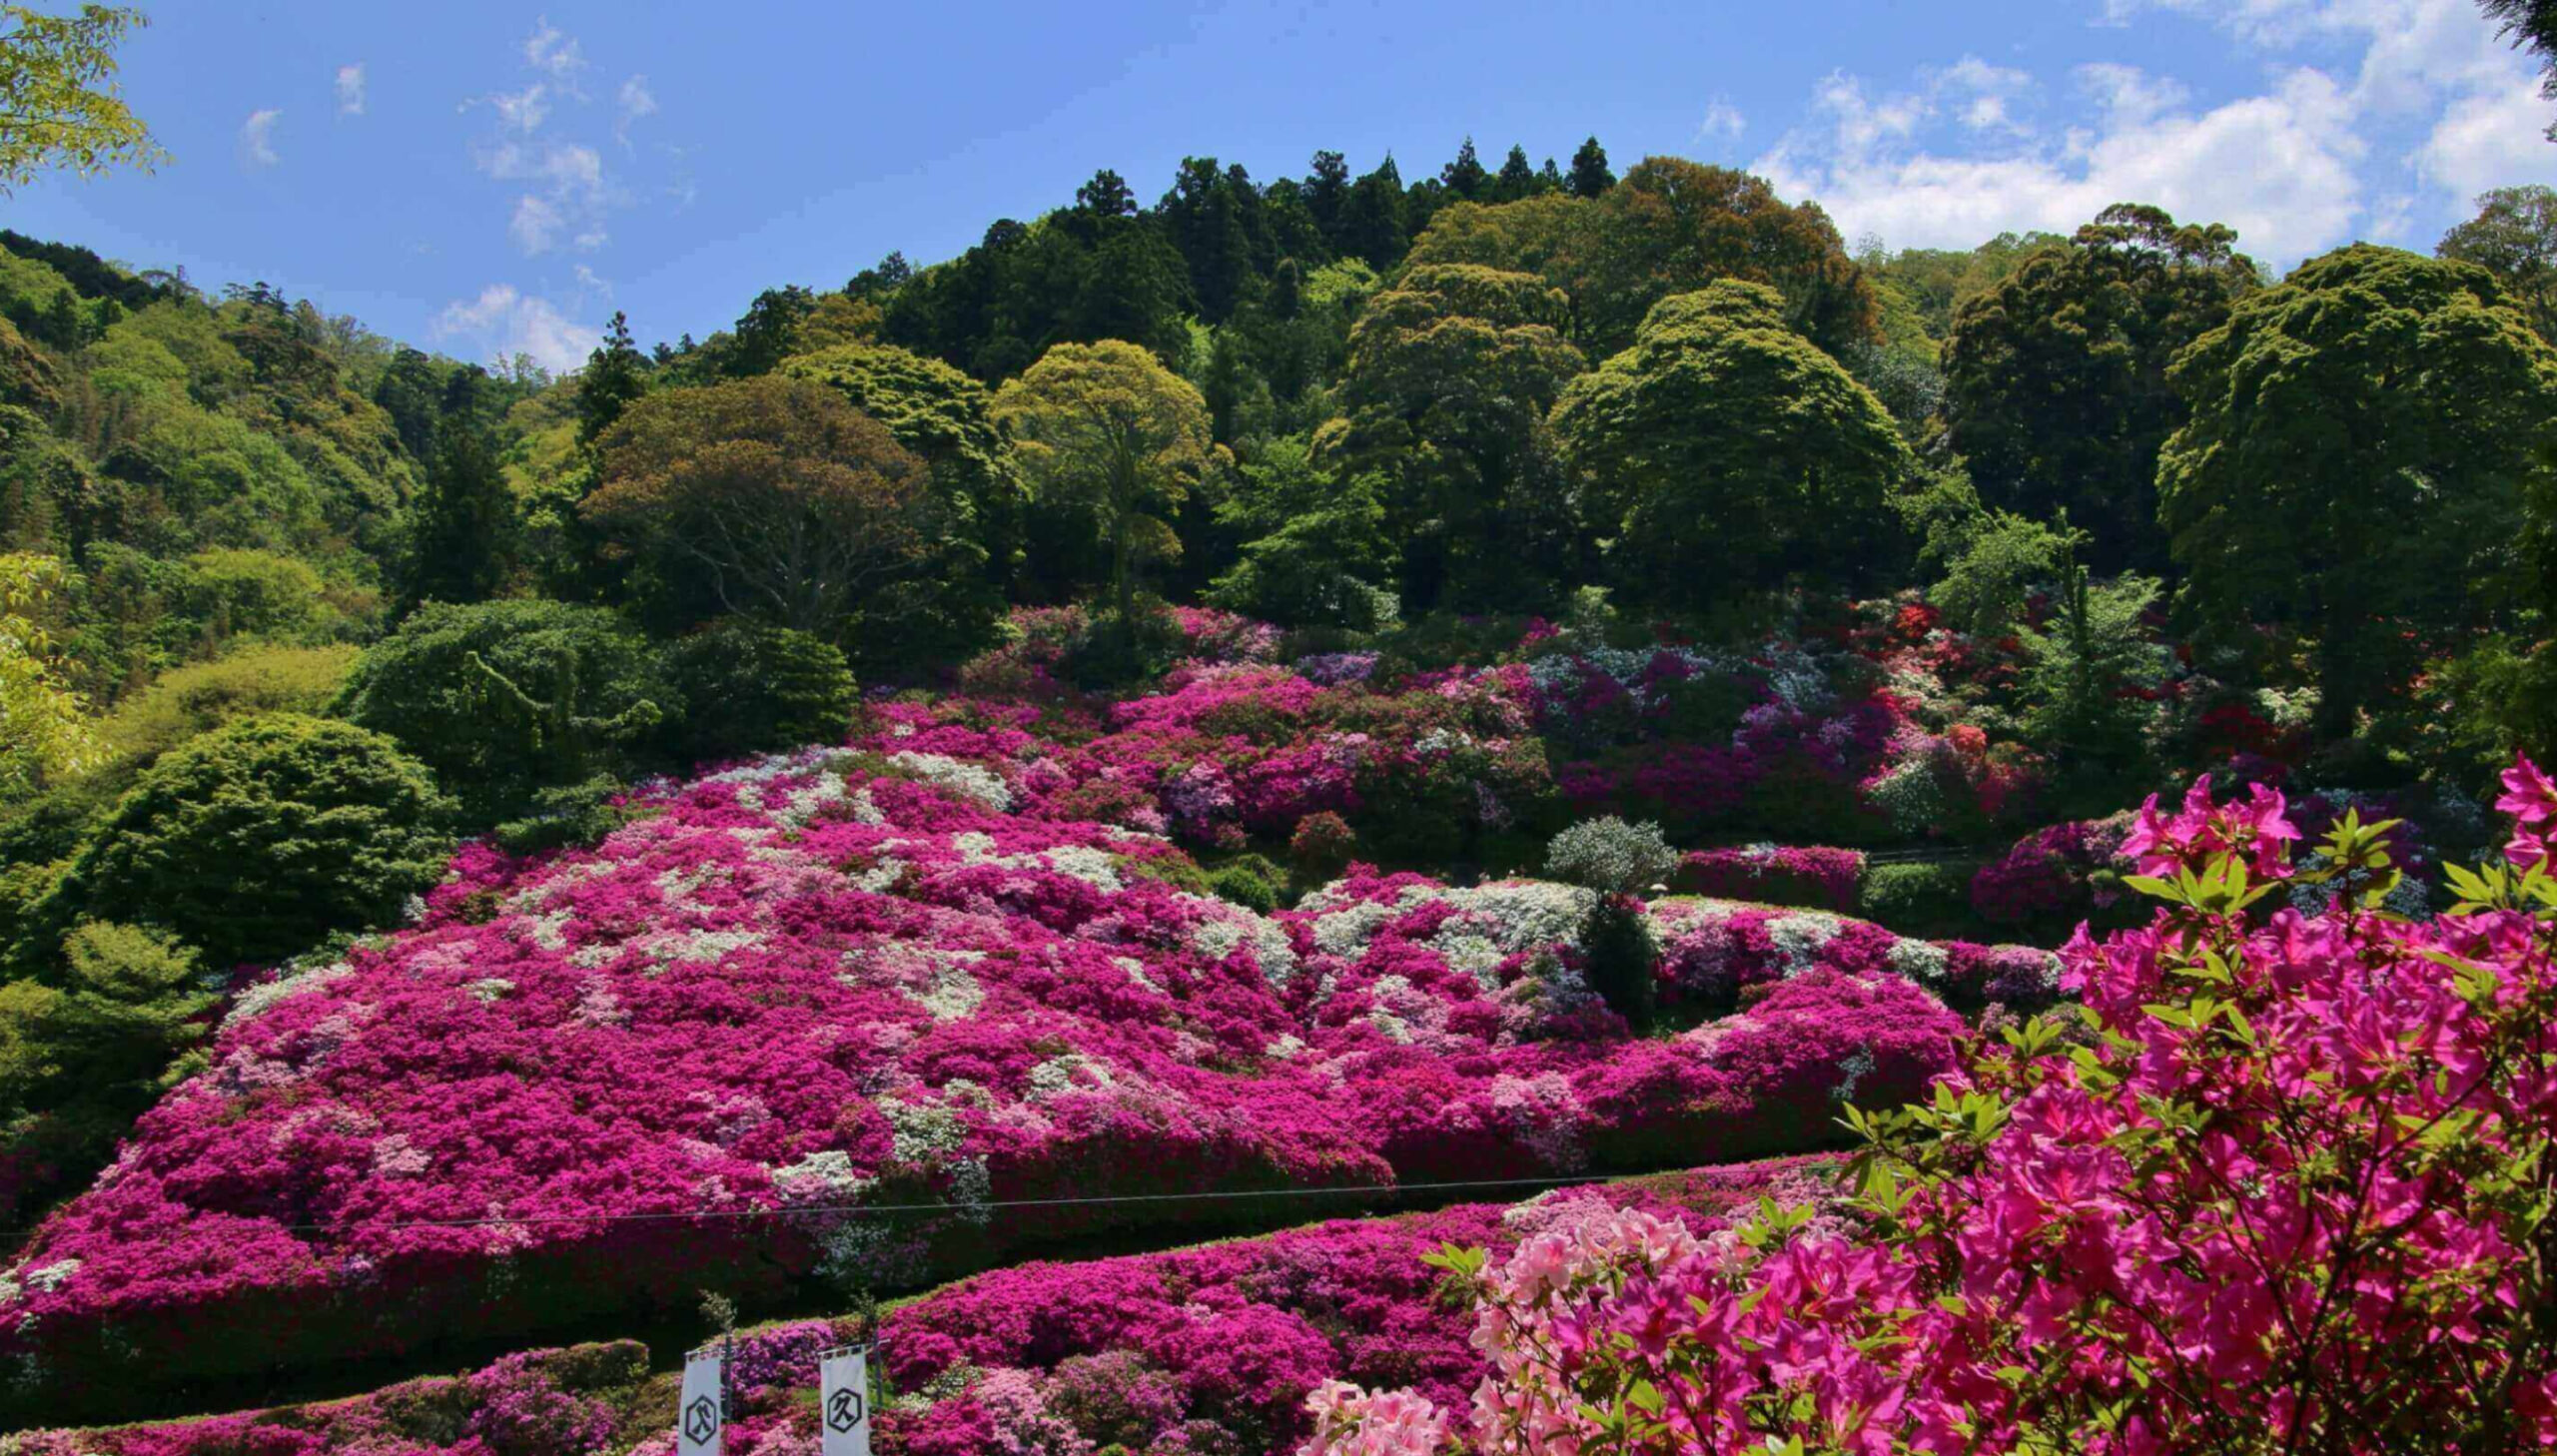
(1725, 452)
(58, 94)
(1451, 373)
(2407, 405)
(774, 499)
(2055, 388)
(187, 702)
(256, 840)
(1919, 897)
(1315, 552)
(757, 689)
(503, 699)
(1106, 430)
(44, 731)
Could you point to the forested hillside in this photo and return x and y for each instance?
(1514, 676)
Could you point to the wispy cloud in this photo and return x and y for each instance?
(257, 138)
(351, 89)
(555, 54)
(503, 323)
(634, 101)
(1722, 119)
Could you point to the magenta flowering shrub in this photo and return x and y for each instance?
(559, 1402)
(2296, 1195)
(1714, 955)
(824, 980)
(2062, 873)
(1813, 875)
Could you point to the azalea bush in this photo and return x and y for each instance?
(2282, 1183)
(1813, 875)
(828, 980)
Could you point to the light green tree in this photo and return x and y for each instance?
(44, 731)
(59, 105)
(1107, 425)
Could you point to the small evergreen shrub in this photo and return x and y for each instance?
(253, 842)
(751, 688)
(1920, 899)
(503, 699)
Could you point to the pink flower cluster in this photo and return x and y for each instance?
(2048, 875)
(1214, 1348)
(2294, 1196)
(830, 979)
(1717, 955)
(1809, 875)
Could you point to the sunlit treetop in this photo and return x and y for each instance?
(59, 105)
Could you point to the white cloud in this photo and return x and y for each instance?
(2278, 167)
(351, 89)
(555, 53)
(569, 194)
(1981, 95)
(1722, 119)
(535, 225)
(2489, 139)
(503, 323)
(522, 111)
(257, 138)
(634, 101)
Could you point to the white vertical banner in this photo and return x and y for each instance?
(843, 1401)
(702, 1417)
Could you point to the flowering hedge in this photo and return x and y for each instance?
(2297, 1193)
(825, 981)
(1814, 876)
(1211, 1348)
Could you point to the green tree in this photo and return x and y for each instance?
(2514, 237)
(1590, 174)
(254, 842)
(1672, 226)
(44, 730)
(1724, 452)
(1465, 178)
(773, 498)
(504, 699)
(59, 105)
(1373, 224)
(2085, 679)
(1108, 429)
(2055, 389)
(464, 537)
(2530, 25)
(757, 689)
(1517, 177)
(1315, 550)
(947, 419)
(2361, 443)
(1451, 374)
(616, 375)
(768, 332)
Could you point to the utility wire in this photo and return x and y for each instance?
(814, 1210)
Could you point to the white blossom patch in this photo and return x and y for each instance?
(967, 779)
(258, 998)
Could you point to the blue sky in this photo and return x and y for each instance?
(484, 178)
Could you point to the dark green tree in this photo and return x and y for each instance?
(1315, 550)
(2354, 471)
(2514, 237)
(1449, 377)
(768, 332)
(1327, 191)
(408, 392)
(2055, 381)
(1724, 452)
(1590, 174)
(463, 539)
(1371, 220)
(2531, 25)
(616, 375)
(504, 699)
(1465, 178)
(1517, 177)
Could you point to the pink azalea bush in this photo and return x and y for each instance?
(1813, 875)
(2285, 1186)
(1214, 1348)
(826, 980)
